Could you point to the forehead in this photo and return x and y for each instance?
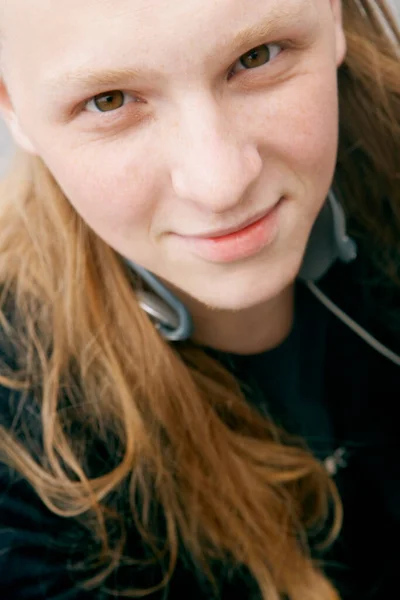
(43, 37)
(54, 21)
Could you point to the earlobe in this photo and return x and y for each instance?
(340, 37)
(12, 121)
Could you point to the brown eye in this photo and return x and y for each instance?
(109, 101)
(257, 57)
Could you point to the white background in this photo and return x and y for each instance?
(5, 143)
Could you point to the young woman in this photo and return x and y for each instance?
(200, 324)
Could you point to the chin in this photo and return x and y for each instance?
(247, 287)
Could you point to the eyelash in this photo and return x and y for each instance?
(283, 46)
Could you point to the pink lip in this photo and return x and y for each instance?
(234, 244)
(228, 231)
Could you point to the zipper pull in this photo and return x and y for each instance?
(336, 461)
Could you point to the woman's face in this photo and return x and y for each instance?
(168, 124)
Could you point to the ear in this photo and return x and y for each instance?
(8, 113)
(341, 44)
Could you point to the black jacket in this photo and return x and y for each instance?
(348, 402)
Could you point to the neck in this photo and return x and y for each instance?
(248, 331)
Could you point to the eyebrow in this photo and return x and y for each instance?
(86, 78)
(275, 22)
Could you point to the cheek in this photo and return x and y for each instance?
(112, 196)
(302, 127)
(314, 142)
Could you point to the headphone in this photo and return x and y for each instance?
(170, 316)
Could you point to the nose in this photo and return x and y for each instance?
(213, 161)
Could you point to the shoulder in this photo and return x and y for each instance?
(33, 562)
(35, 544)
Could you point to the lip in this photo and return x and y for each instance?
(235, 229)
(236, 243)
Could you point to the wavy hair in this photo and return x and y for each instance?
(187, 462)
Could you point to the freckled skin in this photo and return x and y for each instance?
(201, 150)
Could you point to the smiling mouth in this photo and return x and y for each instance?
(220, 233)
(239, 242)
